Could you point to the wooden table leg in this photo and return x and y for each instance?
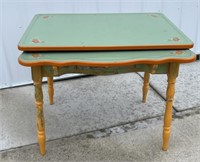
(50, 90)
(172, 75)
(145, 86)
(37, 79)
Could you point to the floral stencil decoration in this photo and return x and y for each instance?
(153, 15)
(37, 41)
(45, 17)
(178, 52)
(176, 39)
(36, 55)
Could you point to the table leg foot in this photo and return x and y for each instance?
(42, 143)
(41, 127)
(50, 90)
(145, 86)
(172, 74)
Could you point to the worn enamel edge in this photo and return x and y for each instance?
(103, 48)
(102, 64)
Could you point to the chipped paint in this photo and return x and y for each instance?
(40, 117)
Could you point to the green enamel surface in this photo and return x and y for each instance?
(108, 57)
(82, 30)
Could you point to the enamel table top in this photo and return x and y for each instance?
(109, 58)
(124, 31)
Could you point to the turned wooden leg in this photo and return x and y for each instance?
(37, 79)
(172, 74)
(50, 90)
(145, 86)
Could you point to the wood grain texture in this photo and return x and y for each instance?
(172, 75)
(145, 86)
(37, 79)
(50, 90)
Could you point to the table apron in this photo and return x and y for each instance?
(49, 71)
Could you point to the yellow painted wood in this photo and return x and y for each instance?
(145, 86)
(172, 75)
(50, 90)
(37, 79)
(171, 69)
(153, 69)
